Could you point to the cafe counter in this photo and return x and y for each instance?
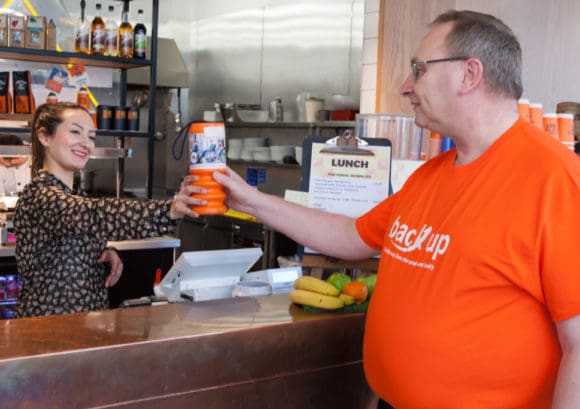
(235, 353)
(8, 250)
(142, 259)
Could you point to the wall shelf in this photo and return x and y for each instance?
(114, 63)
(256, 163)
(98, 153)
(99, 132)
(55, 57)
(321, 124)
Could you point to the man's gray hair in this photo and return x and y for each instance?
(488, 39)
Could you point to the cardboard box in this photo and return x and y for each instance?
(35, 33)
(16, 27)
(3, 30)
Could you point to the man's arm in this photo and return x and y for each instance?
(330, 234)
(567, 395)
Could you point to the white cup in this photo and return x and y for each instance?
(313, 105)
(298, 154)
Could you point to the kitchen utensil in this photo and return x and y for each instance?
(132, 118)
(301, 105)
(119, 118)
(324, 115)
(298, 154)
(276, 113)
(261, 154)
(87, 180)
(252, 288)
(228, 112)
(278, 152)
(344, 115)
(141, 98)
(104, 117)
(234, 148)
(249, 115)
(313, 105)
(338, 101)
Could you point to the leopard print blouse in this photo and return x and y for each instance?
(61, 234)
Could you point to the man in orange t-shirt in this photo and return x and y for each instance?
(476, 265)
(477, 302)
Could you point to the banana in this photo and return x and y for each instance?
(326, 302)
(348, 299)
(315, 284)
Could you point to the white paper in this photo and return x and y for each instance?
(348, 184)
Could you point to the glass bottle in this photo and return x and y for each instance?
(140, 37)
(125, 37)
(83, 98)
(111, 34)
(83, 35)
(98, 33)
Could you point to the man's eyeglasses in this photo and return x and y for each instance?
(419, 67)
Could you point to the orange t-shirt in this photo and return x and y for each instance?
(477, 263)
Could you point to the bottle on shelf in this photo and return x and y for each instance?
(140, 37)
(98, 33)
(83, 34)
(51, 35)
(125, 37)
(111, 34)
(83, 98)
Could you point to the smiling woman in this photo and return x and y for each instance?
(62, 234)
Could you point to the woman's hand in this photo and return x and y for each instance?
(183, 202)
(111, 256)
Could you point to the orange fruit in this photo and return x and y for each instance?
(356, 289)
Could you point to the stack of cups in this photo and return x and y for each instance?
(536, 115)
(573, 109)
(566, 129)
(524, 109)
(551, 124)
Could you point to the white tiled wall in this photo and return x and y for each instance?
(370, 57)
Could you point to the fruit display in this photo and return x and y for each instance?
(317, 300)
(337, 292)
(338, 280)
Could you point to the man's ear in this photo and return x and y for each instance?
(472, 75)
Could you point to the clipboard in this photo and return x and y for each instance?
(362, 180)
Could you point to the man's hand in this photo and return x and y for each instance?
(112, 257)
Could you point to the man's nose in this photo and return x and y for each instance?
(407, 86)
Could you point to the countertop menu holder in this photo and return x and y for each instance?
(336, 170)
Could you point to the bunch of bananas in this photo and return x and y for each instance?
(337, 292)
(314, 292)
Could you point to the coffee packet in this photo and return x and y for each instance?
(23, 98)
(5, 100)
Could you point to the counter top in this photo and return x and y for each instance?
(233, 353)
(8, 250)
(66, 333)
(145, 244)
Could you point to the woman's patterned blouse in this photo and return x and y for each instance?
(61, 234)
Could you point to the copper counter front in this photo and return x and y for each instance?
(236, 353)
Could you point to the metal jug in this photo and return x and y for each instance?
(276, 112)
